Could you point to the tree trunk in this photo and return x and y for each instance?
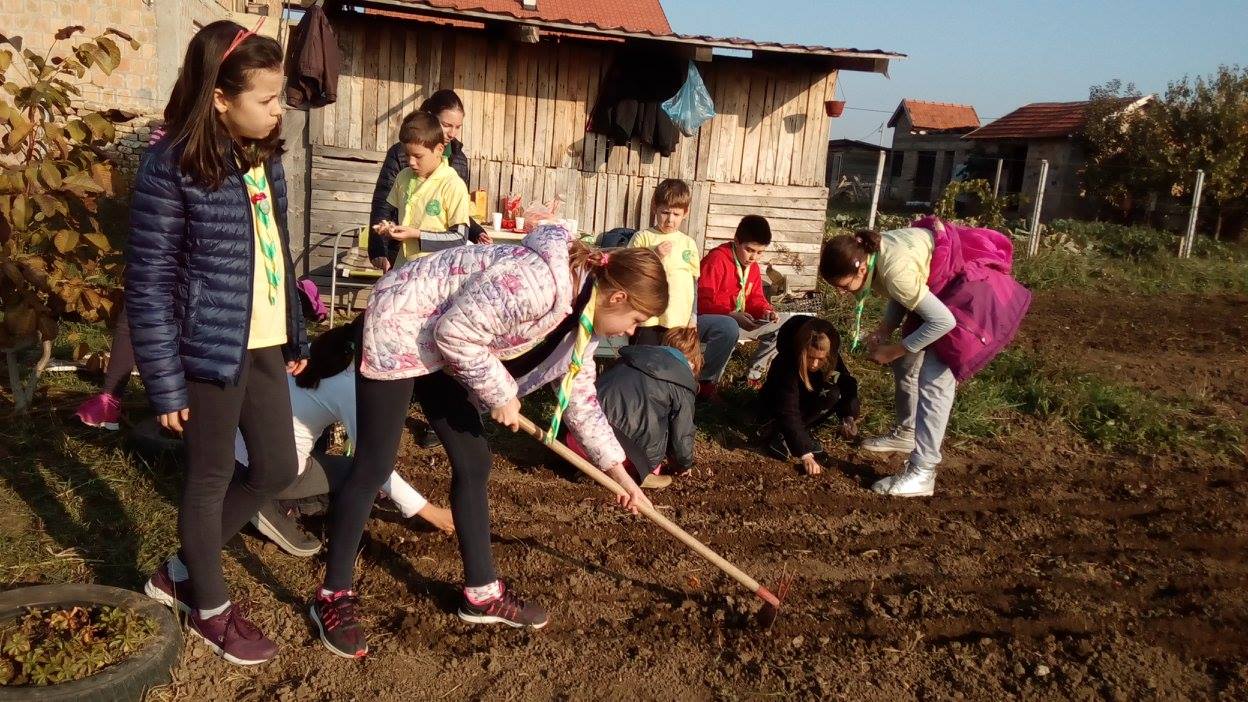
(24, 388)
(1217, 227)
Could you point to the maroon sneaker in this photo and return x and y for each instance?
(233, 637)
(162, 588)
(506, 609)
(335, 619)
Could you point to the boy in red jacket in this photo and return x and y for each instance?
(732, 306)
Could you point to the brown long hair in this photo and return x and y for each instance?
(815, 335)
(638, 272)
(209, 152)
(843, 255)
(686, 341)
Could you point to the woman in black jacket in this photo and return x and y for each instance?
(807, 384)
(449, 109)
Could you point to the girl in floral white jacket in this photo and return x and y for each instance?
(474, 329)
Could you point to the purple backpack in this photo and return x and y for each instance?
(971, 274)
(313, 308)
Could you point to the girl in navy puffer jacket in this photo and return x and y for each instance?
(214, 314)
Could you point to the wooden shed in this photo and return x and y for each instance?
(529, 79)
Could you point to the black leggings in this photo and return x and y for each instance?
(382, 412)
(120, 358)
(216, 502)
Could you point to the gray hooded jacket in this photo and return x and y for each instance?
(649, 397)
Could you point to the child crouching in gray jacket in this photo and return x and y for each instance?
(648, 398)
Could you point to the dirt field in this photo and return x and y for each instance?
(1042, 568)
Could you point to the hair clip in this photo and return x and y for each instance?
(241, 36)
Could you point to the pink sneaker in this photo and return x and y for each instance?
(103, 410)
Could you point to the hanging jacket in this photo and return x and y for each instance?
(971, 274)
(313, 62)
(785, 400)
(189, 273)
(395, 161)
(465, 310)
(719, 285)
(630, 99)
(649, 397)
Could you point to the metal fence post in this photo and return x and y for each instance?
(875, 191)
(1185, 246)
(996, 182)
(1033, 243)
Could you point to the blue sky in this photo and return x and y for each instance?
(993, 55)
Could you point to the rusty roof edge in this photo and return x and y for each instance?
(684, 39)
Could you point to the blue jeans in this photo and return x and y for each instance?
(719, 334)
(924, 396)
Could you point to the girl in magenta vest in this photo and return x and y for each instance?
(950, 292)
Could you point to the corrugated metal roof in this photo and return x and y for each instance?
(601, 17)
(936, 116)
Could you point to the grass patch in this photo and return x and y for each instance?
(76, 506)
(1057, 269)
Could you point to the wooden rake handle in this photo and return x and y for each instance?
(653, 515)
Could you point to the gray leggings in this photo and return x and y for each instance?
(323, 475)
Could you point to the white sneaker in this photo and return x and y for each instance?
(910, 482)
(898, 440)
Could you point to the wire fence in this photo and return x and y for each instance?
(1036, 191)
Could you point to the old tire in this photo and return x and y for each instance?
(127, 680)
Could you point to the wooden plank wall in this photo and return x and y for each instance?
(527, 106)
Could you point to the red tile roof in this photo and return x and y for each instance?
(640, 19)
(936, 116)
(1039, 120)
(628, 15)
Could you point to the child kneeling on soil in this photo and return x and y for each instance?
(323, 395)
(807, 384)
(649, 397)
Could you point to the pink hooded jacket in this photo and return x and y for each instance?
(466, 309)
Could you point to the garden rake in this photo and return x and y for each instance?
(771, 601)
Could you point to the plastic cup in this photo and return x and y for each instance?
(519, 224)
(497, 220)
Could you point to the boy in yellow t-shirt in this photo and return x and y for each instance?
(681, 261)
(431, 198)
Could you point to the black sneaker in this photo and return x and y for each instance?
(507, 609)
(334, 616)
(778, 447)
(281, 528)
(430, 440)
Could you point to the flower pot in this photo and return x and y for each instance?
(834, 108)
(127, 680)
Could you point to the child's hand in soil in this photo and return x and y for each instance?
(438, 517)
(635, 499)
(664, 249)
(849, 428)
(810, 465)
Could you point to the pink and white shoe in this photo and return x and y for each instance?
(103, 410)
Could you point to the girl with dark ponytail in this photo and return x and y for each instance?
(927, 271)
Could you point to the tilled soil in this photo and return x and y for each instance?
(1041, 569)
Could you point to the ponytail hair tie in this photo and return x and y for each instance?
(606, 258)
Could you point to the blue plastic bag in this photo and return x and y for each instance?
(691, 105)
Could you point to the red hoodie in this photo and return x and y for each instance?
(719, 285)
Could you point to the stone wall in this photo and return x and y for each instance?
(907, 146)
